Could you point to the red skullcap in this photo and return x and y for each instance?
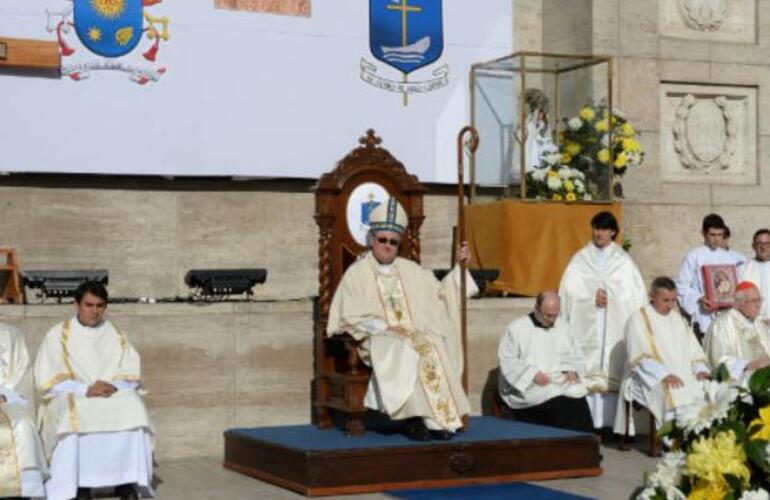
(745, 285)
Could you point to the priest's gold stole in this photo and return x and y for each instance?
(286, 7)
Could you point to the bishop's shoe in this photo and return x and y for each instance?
(127, 492)
(416, 431)
(441, 435)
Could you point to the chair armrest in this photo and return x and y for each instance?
(351, 346)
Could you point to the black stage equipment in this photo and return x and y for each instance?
(60, 284)
(213, 283)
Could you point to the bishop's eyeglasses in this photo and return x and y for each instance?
(392, 241)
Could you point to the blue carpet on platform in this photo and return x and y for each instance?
(311, 438)
(487, 491)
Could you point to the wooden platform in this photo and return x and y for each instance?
(316, 462)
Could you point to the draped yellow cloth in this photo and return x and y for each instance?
(530, 243)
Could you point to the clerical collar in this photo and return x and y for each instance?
(536, 322)
(77, 318)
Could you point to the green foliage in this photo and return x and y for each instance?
(720, 373)
(759, 385)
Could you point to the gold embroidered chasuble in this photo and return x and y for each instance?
(410, 324)
(19, 442)
(600, 339)
(72, 351)
(733, 338)
(668, 346)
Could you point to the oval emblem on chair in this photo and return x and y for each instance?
(461, 462)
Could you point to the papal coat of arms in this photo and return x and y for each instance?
(110, 30)
(406, 35)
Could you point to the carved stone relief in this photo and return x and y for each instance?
(708, 134)
(712, 20)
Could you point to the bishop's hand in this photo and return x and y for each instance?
(463, 254)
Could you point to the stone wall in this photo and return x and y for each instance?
(208, 368)
(149, 233)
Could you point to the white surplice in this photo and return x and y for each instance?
(71, 358)
(657, 346)
(689, 281)
(599, 331)
(22, 463)
(735, 340)
(526, 349)
(410, 324)
(759, 273)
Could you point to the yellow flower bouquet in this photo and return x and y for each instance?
(592, 145)
(718, 448)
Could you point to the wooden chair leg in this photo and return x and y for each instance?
(354, 425)
(654, 441)
(624, 439)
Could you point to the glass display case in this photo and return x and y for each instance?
(546, 128)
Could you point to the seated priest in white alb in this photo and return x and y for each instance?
(541, 369)
(22, 463)
(410, 326)
(738, 338)
(94, 425)
(689, 281)
(600, 288)
(757, 270)
(666, 363)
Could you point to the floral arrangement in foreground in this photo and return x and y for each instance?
(718, 448)
(581, 168)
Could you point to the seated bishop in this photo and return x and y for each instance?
(22, 463)
(667, 365)
(738, 338)
(410, 327)
(95, 427)
(541, 368)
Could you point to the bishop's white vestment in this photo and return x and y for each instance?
(689, 281)
(526, 349)
(734, 340)
(410, 324)
(92, 442)
(759, 273)
(660, 345)
(23, 466)
(599, 331)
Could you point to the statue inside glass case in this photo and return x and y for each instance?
(538, 138)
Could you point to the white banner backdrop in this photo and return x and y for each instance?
(242, 94)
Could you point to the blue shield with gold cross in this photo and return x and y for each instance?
(406, 34)
(109, 28)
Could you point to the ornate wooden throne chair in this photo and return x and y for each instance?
(344, 196)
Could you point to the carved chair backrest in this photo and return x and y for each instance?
(368, 174)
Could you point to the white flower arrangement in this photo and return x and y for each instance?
(699, 416)
(575, 123)
(554, 182)
(758, 494)
(668, 475)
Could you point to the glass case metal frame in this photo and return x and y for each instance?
(522, 70)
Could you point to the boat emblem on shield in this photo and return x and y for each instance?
(109, 28)
(406, 35)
